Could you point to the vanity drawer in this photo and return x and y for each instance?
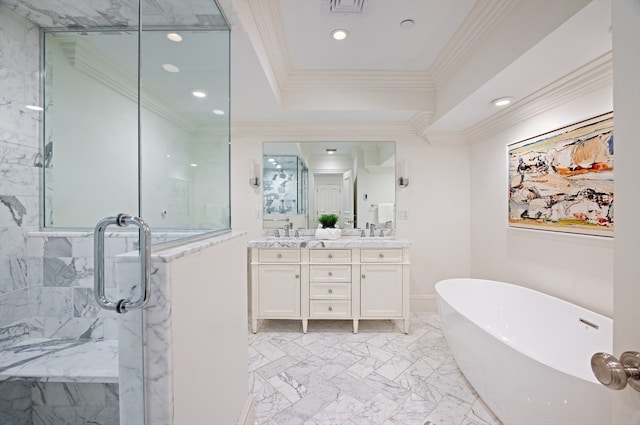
(330, 255)
(330, 273)
(279, 255)
(330, 290)
(388, 255)
(329, 309)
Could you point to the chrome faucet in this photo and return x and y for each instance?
(276, 233)
(286, 230)
(372, 230)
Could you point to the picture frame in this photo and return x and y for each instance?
(562, 180)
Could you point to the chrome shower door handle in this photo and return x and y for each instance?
(123, 305)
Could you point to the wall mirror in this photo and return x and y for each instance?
(355, 180)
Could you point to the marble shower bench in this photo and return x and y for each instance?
(56, 381)
(60, 360)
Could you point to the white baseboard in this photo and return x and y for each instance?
(247, 417)
(423, 303)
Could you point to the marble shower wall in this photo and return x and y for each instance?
(61, 278)
(117, 13)
(20, 159)
(58, 403)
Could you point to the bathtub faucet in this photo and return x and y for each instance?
(286, 230)
(372, 230)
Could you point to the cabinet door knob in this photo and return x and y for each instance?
(331, 291)
(297, 276)
(330, 255)
(330, 273)
(330, 308)
(381, 255)
(279, 255)
(363, 276)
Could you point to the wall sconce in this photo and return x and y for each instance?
(403, 180)
(254, 180)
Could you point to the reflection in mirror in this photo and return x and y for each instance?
(355, 180)
(285, 190)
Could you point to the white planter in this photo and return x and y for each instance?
(328, 233)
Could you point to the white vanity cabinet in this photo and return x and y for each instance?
(276, 287)
(381, 293)
(330, 278)
(351, 283)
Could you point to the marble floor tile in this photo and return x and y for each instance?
(331, 376)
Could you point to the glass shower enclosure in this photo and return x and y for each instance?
(136, 121)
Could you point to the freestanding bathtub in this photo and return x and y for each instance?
(527, 354)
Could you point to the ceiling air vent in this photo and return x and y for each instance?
(346, 6)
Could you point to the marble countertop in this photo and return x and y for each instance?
(342, 242)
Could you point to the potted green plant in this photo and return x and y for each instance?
(328, 230)
(328, 221)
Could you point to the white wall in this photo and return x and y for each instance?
(576, 268)
(380, 188)
(209, 335)
(437, 200)
(626, 68)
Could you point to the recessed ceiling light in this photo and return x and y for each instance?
(174, 37)
(339, 34)
(193, 164)
(502, 101)
(199, 93)
(331, 151)
(407, 23)
(170, 68)
(34, 107)
(278, 166)
(218, 111)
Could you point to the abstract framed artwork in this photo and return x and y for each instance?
(563, 180)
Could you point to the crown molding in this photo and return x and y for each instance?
(476, 27)
(446, 138)
(262, 21)
(322, 131)
(420, 122)
(590, 77)
(268, 38)
(370, 79)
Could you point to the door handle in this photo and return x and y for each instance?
(123, 305)
(616, 374)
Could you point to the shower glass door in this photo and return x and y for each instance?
(90, 163)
